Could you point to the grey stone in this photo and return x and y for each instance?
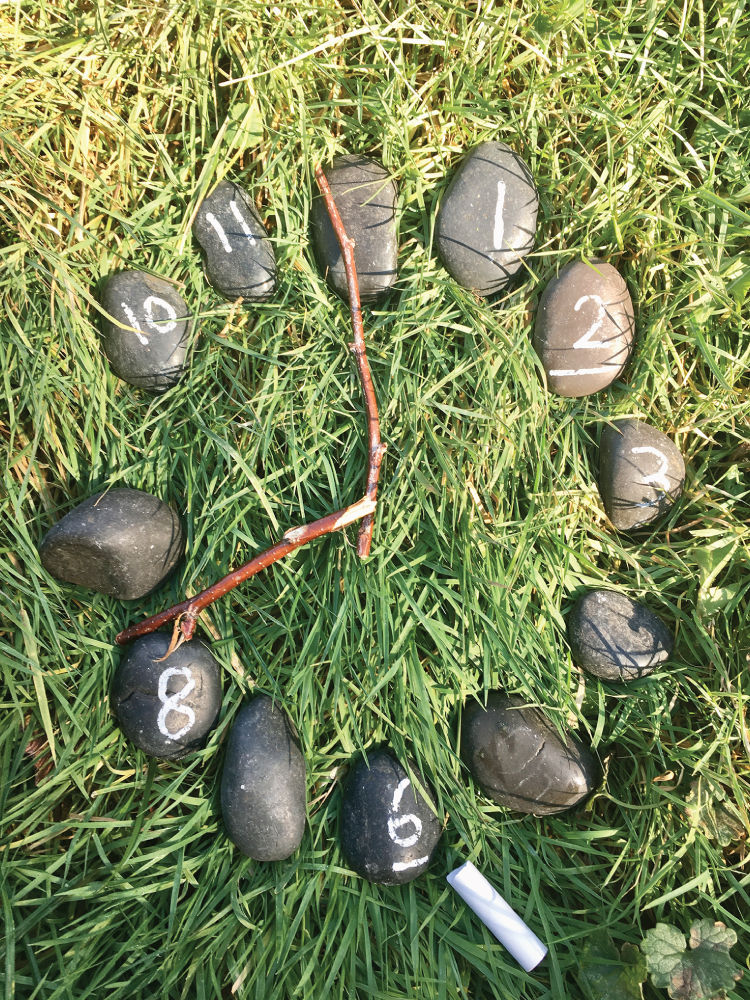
(167, 708)
(151, 352)
(365, 196)
(263, 784)
(616, 638)
(517, 757)
(239, 256)
(389, 828)
(487, 221)
(641, 473)
(584, 328)
(123, 543)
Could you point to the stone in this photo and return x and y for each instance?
(150, 353)
(263, 798)
(518, 758)
(487, 220)
(641, 473)
(585, 327)
(122, 542)
(616, 638)
(365, 196)
(240, 260)
(389, 827)
(167, 707)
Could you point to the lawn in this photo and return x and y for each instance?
(117, 878)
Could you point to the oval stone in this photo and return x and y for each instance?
(239, 256)
(389, 827)
(365, 196)
(263, 790)
(584, 328)
(167, 707)
(123, 543)
(641, 473)
(616, 638)
(146, 344)
(517, 757)
(487, 221)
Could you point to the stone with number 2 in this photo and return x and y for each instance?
(167, 707)
(390, 825)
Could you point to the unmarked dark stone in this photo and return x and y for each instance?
(389, 828)
(152, 353)
(487, 220)
(365, 196)
(641, 473)
(584, 328)
(239, 256)
(616, 638)
(122, 543)
(263, 784)
(167, 708)
(517, 757)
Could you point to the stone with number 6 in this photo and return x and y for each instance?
(389, 824)
(584, 328)
(167, 707)
(641, 473)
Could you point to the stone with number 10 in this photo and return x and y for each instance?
(239, 256)
(167, 707)
(389, 823)
(584, 328)
(641, 473)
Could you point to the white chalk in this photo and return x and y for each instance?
(494, 912)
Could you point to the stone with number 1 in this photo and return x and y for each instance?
(584, 328)
(167, 707)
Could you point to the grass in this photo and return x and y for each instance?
(117, 878)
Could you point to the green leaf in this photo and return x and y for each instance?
(709, 810)
(245, 127)
(712, 559)
(607, 974)
(740, 283)
(704, 973)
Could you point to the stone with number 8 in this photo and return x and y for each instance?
(389, 825)
(167, 707)
(641, 473)
(584, 328)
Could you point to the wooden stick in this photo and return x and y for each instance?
(186, 613)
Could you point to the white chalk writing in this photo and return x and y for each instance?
(238, 216)
(213, 221)
(499, 220)
(401, 866)
(585, 340)
(396, 822)
(657, 477)
(582, 371)
(134, 323)
(171, 702)
(163, 325)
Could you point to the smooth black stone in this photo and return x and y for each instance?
(641, 473)
(617, 638)
(365, 196)
(153, 358)
(167, 708)
(388, 830)
(487, 220)
(517, 757)
(123, 543)
(585, 326)
(239, 256)
(263, 785)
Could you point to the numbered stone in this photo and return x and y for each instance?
(263, 784)
(146, 344)
(616, 638)
(584, 328)
(487, 220)
(123, 543)
(167, 707)
(389, 827)
(518, 758)
(641, 473)
(365, 195)
(239, 256)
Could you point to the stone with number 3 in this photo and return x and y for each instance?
(167, 707)
(147, 342)
(641, 473)
(584, 328)
(389, 824)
